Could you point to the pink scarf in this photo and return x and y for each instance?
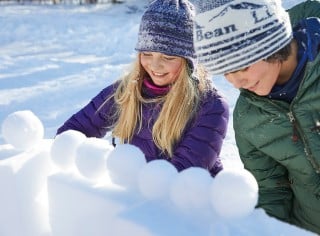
(155, 89)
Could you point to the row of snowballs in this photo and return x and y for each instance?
(232, 193)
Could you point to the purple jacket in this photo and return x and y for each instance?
(199, 146)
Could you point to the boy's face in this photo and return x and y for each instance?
(258, 78)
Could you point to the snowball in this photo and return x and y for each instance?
(91, 157)
(63, 149)
(124, 164)
(22, 129)
(190, 189)
(234, 193)
(154, 179)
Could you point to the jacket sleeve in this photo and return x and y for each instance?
(93, 120)
(275, 194)
(309, 8)
(201, 144)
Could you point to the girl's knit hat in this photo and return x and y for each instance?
(232, 34)
(167, 27)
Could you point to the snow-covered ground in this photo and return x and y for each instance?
(53, 59)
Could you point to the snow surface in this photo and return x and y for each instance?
(53, 59)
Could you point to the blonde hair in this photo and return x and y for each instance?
(179, 106)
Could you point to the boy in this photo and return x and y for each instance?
(277, 115)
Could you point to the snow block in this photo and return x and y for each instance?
(77, 208)
(23, 179)
(9, 216)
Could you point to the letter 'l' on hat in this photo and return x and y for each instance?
(231, 34)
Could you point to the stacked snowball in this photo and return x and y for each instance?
(232, 193)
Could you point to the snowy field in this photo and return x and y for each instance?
(53, 59)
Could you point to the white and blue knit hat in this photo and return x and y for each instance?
(232, 34)
(167, 27)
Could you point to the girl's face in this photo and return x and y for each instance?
(258, 78)
(163, 69)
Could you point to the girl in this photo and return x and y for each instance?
(165, 105)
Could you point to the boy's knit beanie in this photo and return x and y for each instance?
(167, 27)
(232, 34)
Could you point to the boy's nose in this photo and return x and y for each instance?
(236, 81)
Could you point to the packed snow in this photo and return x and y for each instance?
(53, 60)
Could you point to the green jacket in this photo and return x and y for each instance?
(287, 170)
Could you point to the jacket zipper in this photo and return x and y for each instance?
(295, 138)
